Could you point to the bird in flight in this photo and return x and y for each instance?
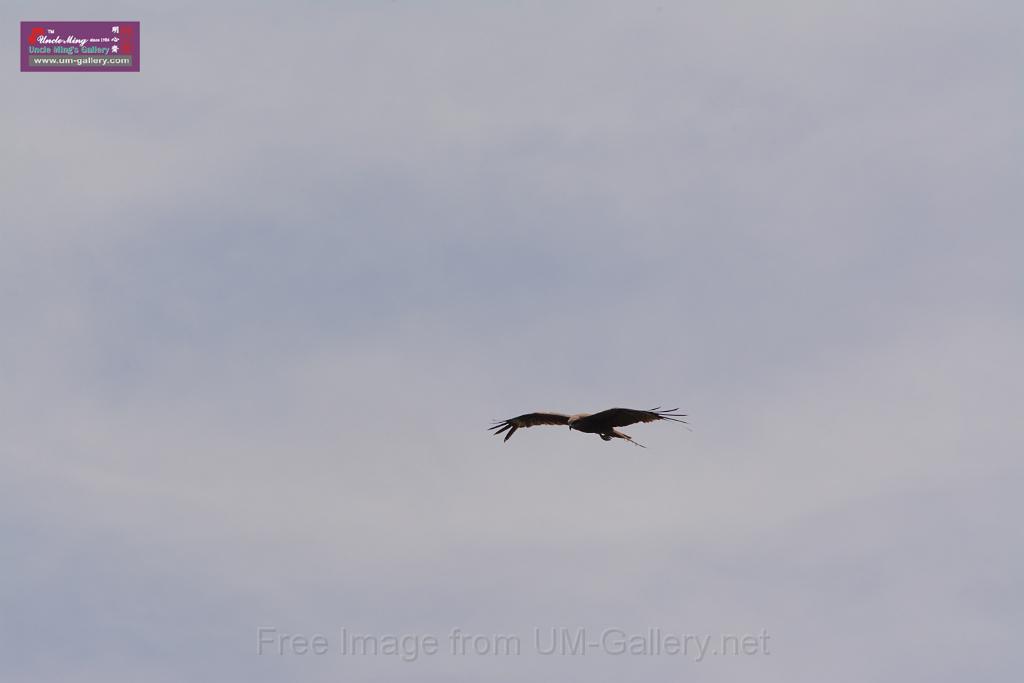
(603, 424)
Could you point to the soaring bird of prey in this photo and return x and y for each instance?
(603, 424)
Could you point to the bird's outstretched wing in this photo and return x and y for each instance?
(528, 420)
(621, 417)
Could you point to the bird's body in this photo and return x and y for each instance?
(603, 423)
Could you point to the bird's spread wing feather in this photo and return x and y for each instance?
(622, 417)
(528, 420)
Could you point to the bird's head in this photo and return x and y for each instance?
(573, 419)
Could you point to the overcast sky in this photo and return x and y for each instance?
(261, 301)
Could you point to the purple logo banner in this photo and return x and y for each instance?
(79, 46)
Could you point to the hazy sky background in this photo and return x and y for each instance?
(260, 302)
